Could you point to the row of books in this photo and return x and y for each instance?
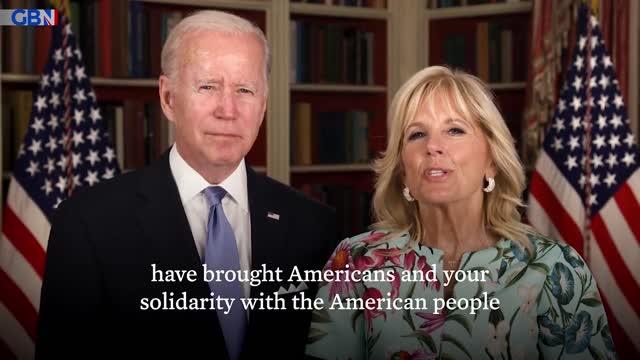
(377, 4)
(25, 49)
(437, 4)
(330, 53)
(353, 206)
(120, 38)
(328, 137)
(494, 56)
(116, 38)
(138, 130)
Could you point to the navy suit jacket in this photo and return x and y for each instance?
(98, 268)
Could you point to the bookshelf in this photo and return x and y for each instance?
(339, 93)
(117, 87)
(490, 40)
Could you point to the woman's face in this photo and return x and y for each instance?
(445, 156)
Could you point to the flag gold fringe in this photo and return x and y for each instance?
(58, 5)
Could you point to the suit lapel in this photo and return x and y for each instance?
(163, 219)
(169, 243)
(268, 240)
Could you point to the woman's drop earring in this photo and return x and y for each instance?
(491, 184)
(407, 194)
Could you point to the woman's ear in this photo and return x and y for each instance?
(491, 171)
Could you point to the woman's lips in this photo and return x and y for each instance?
(437, 174)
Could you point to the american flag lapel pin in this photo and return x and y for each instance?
(273, 215)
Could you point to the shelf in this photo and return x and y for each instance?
(479, 10)
(222, 4)
(95, 81)
(100, 81)
(330, 168)
(508, 86)
(338, 11)
(19, 78)
(339, 88)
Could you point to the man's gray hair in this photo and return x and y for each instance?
(208, 20)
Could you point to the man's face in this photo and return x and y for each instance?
(216, 98)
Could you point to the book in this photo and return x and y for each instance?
(301, 134)
(506, 53)
(482, 50)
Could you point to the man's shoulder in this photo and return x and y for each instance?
(292, 197)
(108, 194)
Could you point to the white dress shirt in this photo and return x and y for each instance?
(235, 205)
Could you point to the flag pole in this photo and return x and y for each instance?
(63, 8)
(586, 245)
(66, 75)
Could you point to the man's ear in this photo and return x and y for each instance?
(264, 105)
(165, 91)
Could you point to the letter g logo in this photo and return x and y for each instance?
(19, 13)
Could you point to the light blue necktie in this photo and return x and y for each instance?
(221, 253)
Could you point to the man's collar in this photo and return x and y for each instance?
(191, 183)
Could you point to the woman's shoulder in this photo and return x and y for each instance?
(551, 251)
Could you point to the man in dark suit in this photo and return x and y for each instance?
(199, 204)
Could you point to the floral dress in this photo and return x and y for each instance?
(549, 305)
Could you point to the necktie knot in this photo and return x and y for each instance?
(215, 194)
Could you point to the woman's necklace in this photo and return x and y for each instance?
(452, 263)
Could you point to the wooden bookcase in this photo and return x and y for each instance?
(404, 36)
(272, 150)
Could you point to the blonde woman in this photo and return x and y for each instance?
(446, 204)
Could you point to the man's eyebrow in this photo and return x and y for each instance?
(246, 83)
(249, 83)
(209, 81)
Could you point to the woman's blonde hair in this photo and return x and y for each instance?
(470, 97)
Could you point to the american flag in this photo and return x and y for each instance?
(66, 148)
(594, 205)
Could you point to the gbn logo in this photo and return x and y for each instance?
(29, 17)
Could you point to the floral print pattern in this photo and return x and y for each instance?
(340, 261)
(549, 304)
(578, 334)
(497, 338)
